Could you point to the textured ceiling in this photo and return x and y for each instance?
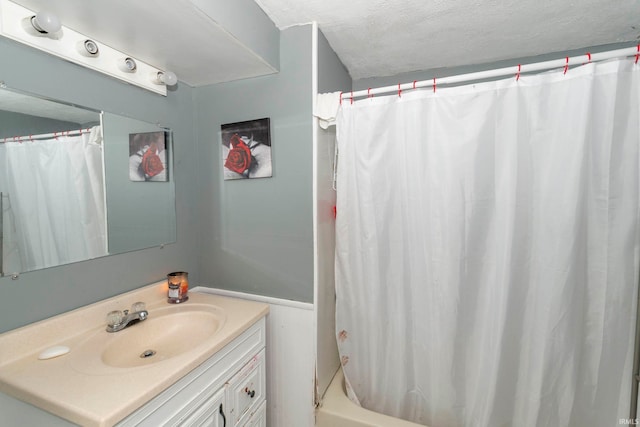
(375, 38)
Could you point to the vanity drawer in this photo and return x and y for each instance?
(256, 419)
(246, 390)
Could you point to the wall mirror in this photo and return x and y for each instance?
(73, 184)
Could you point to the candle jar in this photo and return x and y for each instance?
(178, 282)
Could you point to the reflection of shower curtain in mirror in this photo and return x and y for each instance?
(56, 189)
(11, 262)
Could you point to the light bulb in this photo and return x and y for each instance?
(167, 78)
(88, 48)
(128, 65)
(46, 22)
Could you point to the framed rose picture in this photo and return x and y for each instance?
(148, 156)
(246, 149)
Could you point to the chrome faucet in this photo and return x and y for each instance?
(118, 320)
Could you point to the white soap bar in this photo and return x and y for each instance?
(52, 352)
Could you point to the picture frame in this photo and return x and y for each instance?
(246, 149)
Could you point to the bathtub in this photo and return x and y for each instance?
(338, 411)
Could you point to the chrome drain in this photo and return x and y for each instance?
(147, 353)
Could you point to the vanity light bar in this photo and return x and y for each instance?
(75, 47)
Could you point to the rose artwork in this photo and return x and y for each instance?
(239, 158)
(151, 163)
(245, 149)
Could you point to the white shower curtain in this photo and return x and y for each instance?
(56, 188)
(487, 248)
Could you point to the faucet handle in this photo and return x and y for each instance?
(138, 306)
(114, 318)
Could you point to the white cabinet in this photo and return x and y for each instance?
(226, 390)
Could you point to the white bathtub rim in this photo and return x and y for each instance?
(336, 405)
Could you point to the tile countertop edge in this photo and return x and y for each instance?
(184, 364)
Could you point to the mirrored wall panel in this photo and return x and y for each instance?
(77, 184)
(140, 190)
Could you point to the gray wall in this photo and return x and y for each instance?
(17, 124)
(40, 294)
(256, 235)
(332, 74)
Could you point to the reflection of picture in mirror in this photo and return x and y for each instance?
(148, 156)
(246, 149)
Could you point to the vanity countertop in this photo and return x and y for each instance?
(70, 388)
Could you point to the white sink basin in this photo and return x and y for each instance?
(168, 332)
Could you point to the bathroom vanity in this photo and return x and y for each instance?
(227, 388)
(198, 363)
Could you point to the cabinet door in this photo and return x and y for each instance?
(210, 414)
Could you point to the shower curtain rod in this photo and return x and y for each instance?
(515, 71)
(53, 135)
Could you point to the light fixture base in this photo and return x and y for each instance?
(15, 23)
